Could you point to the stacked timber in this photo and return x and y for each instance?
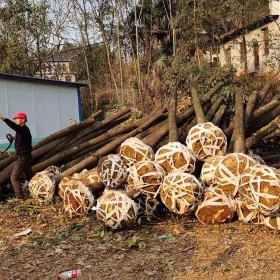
(198, 162)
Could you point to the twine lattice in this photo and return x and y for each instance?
(207, 175)
(77, 198)
(133, 150)
(206, 140)
(216, 207)
(53, 171)
(116, 210)
(247, 215)
(146, 177)
(273, 221)
(229, 171)
(112, 171)
(260, 189)
(180, 192)
(175, 156)
(42, 187)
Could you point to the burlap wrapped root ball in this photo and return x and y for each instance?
(112, 171)
(180, 192)
(247, 215)
(146, 177)
(207, 175)
(93, 182)
(273, 221)
(260, 189)
(116, 210)
(42, 186)
(216, 207)
(229, 170)
(133, 150)
(206, 140)
(175, 156)
(77, 198)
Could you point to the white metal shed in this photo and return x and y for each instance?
(49, 104)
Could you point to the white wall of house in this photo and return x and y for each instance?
(263, 47)
(49, 107)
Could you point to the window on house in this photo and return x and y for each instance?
(242, 52)
(265, 41)
(228, 55)
(256, 54)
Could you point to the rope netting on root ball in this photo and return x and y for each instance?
(133, 150)
(229, 170)
(180, 192)
(112, 171)
(216, 207)
(116, 210)
(260, 189)
(207, 174)
(175, 156)
(273, 221)
(42, 184)
(146, 177)
(93, 182)
(247, 215)
(77, 198)
(206, 140)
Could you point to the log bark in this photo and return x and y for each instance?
(262, 133)
(262, 121)
(219, 115)
(173, 131)
(66, 131)
(200, 117)
(212, 111)
(154, 139)
(263, 93)
(238, 134)
(250, 107)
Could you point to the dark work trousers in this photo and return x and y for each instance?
(22, 166)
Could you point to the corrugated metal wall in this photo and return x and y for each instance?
(48, 107)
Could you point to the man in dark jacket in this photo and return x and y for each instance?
(23, 147)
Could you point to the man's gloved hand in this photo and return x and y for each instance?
(2, 117)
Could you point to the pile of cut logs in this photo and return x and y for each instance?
(199, 161)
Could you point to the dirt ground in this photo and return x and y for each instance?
(166, 248)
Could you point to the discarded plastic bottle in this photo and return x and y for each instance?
(69, 274)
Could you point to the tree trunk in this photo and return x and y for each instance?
(250, 107)
(173, 132)
(219, 115)
(200, 117)
(239, 138)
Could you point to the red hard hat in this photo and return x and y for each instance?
(20, 115)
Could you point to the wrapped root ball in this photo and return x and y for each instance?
(180, 192)
(42, 187)
(146, 177)
(133, 150)
(206, 140)
(229, 171)
(53, 171)
(93, 182)
(247, 215)
(64, 183)
(78, 199)
(112, 171)
(116, 210)
(175, 156)
(207, 175)
(216, 207)
(273, 222)
(81, 175)
(260, 188)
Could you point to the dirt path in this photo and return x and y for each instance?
(170, 248)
